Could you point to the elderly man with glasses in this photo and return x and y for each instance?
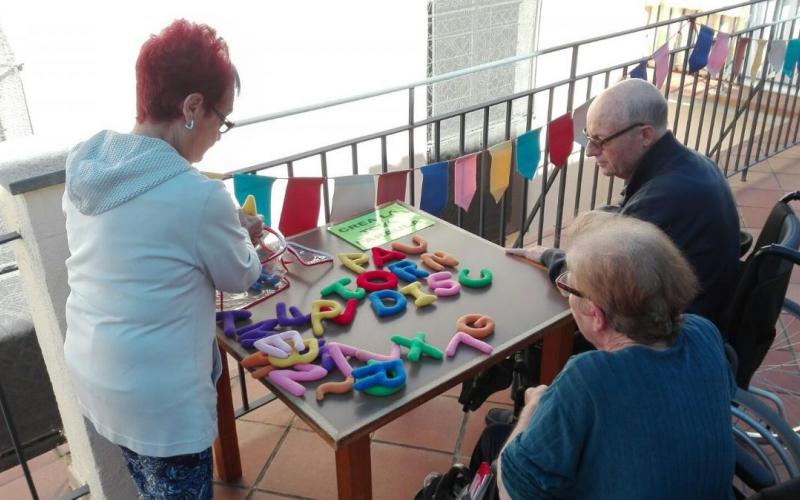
(666, 183)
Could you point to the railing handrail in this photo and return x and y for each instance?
(481, 67)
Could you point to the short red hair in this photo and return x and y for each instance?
(184, 58)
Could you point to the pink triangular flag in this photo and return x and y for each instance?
(719, 53)
(465, 183)
(391, 186)
(661, 57)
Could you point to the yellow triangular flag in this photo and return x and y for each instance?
(755, 68)
(249, 207)
(500, 169)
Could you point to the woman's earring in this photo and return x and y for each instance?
(189, 125)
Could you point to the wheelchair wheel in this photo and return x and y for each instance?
(779, 373)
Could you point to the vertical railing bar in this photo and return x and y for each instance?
(525, 182)
(503, 205)
(323, 158)
(669, 76)
(683, 75)
(703, 112)
(655, 32)
(290, 169)
(733, 123)
(765, 73)
(562, 184)
(792, 122)
(761, 83)
(485, 164)
(16, 444)
(411, 180)
(462, 123)
(582, 155)
(384, 161)
(714, 110)
(786, 101)
(596, 178)
(437, 145)
(243, 388)
(717, 149)
(544, 167)
(354, 157)
(695, 77)
(777, 98)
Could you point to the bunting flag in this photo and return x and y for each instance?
(465, 180)
(579, 122)
(757, 58)
(738, 55)
(792, 55)
(559, 139)
(434, 188)
(529, 152)
(500, 172)
(699, 57)
(261, 189)
(777, 54)
(300, 205)
(392, 187)
(640, 71)
(661, 57)
(352, 195)
(719, 53)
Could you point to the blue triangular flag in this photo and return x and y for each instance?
(528, 153)
(792, 55)
(639, 71)
(699, 57)
(434, 187)
(261, 189)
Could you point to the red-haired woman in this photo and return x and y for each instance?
(150, 239)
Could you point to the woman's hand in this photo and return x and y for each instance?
(254, 224)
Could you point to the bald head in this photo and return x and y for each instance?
(632, 101)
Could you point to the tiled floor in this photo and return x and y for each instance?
(283, 458)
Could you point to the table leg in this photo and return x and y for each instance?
(354, 470)
(556, 350)
(226, 447)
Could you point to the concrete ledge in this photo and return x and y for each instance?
(31, 163)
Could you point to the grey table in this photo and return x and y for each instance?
(524, 305)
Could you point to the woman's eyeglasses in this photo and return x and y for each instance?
(564, 287)
(225, 124)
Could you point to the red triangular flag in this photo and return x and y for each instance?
(381, 256)
(559, 139)
(392, 186)
(300, 205)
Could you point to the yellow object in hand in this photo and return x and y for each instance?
(249, 206)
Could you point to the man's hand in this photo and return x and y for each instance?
(254, 224)
(533, 252)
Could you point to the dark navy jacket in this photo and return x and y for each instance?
(684, 194)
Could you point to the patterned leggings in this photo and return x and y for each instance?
(180, 477)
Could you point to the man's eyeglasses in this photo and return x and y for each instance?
(564, 287)
(599, 142)
(225, 124)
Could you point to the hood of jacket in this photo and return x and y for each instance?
(112, 168)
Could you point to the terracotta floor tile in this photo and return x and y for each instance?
(475, 425)
(788, 182)
(754, 216)
(434, 425)
(255, 390)
(51, 481)
(759, 180)
(266, 495)
(226, 492)
(257, 442)
(453, 392)
(305, 466)
(34, 463)
(275, 413)
(398, 472)
(782, 164)
(503, 397)
(299, 423)
(748, 196)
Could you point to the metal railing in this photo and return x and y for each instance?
(740, 120)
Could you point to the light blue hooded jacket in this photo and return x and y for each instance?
(150, 239)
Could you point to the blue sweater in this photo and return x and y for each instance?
(635, 423)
